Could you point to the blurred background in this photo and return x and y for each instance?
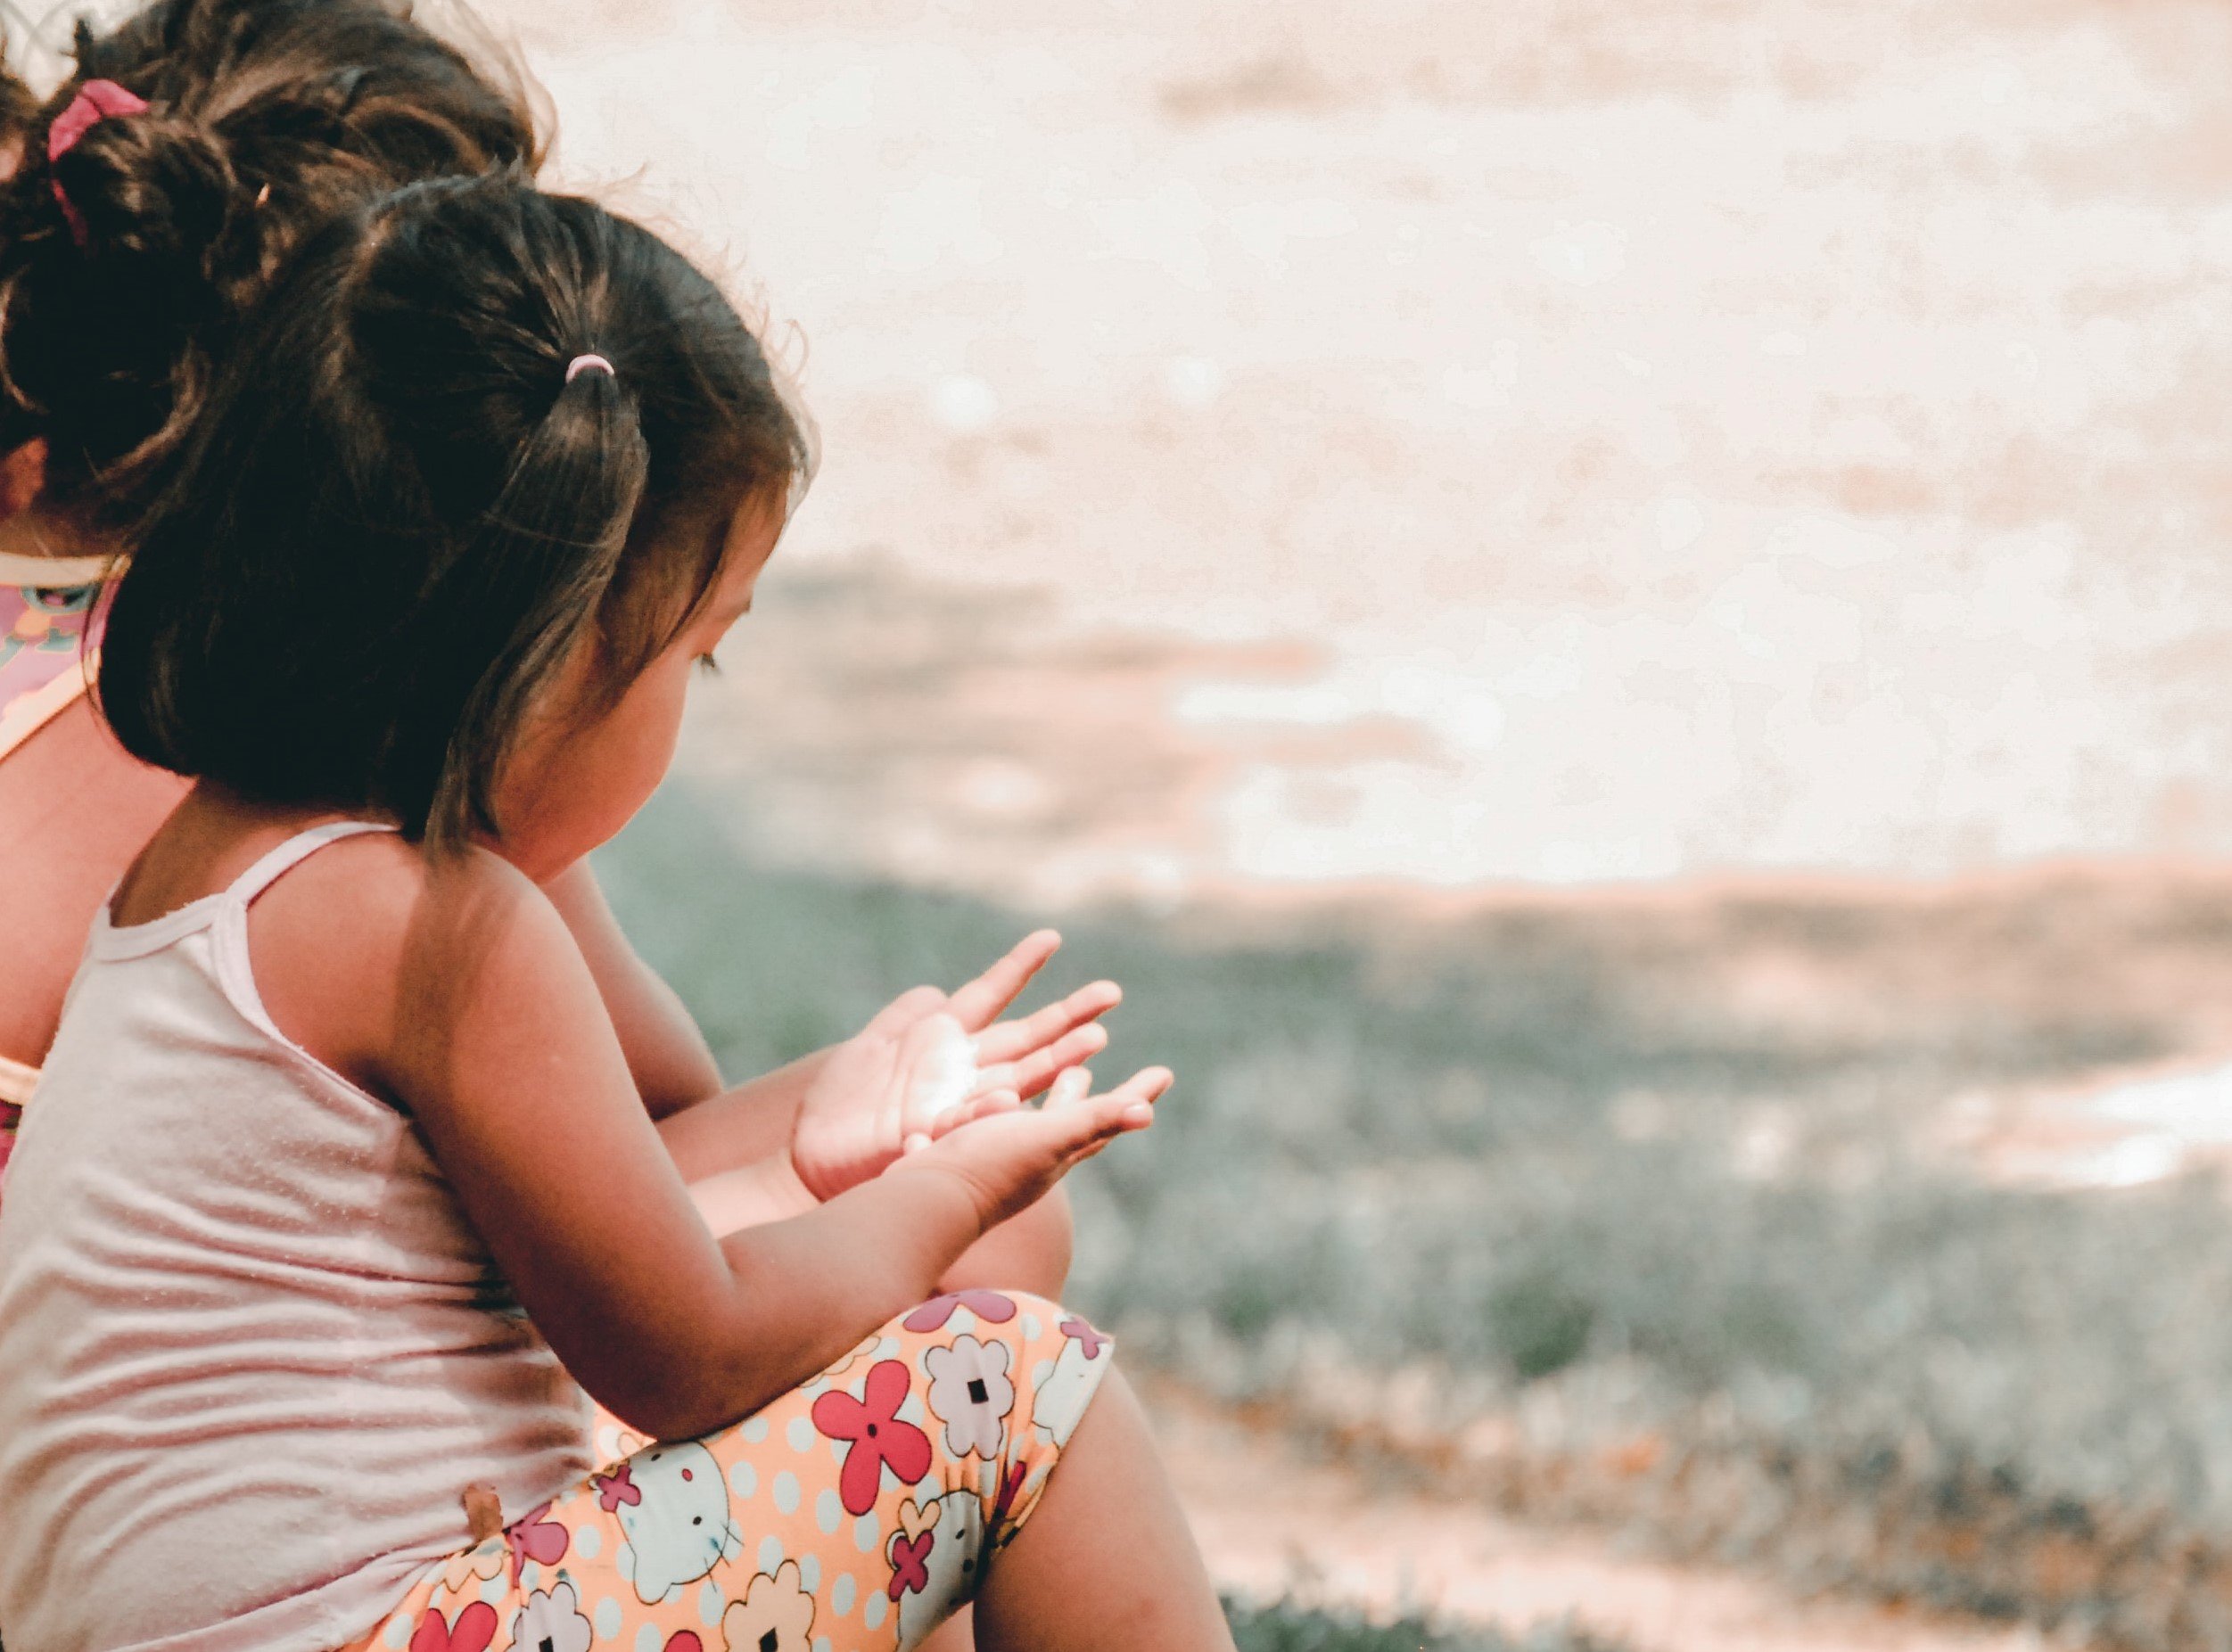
(1616, 618)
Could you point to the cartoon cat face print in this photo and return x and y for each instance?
(678, 1527)
(1060, 1404)
(935, 1555)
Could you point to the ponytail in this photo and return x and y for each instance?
(519, 596)
(476, 432)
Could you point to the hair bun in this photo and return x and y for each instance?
(129, 257)
(152, 188)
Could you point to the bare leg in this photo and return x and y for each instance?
(1105, 1563)
(956, 1634)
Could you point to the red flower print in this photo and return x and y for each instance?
(910, 1564)
(535, 1539)
(990, 1306)
(475, 1627)
(1078, 1331)
(878, 1437)
(617, 1488)
(996, 1532)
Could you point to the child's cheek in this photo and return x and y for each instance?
(638, 744)
(573, 791)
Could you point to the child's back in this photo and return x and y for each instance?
(250, 1330)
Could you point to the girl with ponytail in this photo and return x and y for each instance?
(338, 1185)
(158, 194)
(150, 199)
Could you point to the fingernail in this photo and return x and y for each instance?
(915, 1143)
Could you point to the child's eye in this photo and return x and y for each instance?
(709, 665)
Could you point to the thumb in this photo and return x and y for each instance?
(1087, 1123)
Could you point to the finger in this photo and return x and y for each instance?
(1143, 1088)
(1032, 1073)
(1087, 1125)
(902, 1012)
(989, 1105)
(984, 999)
(1069, 1087)
(1012, 1039)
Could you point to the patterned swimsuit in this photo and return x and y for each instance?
(45, 607)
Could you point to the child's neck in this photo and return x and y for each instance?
(212, 838)
(39, 531)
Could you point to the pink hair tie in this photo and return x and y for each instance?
(96, 101)
(580, 364)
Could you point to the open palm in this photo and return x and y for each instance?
(930, 1061)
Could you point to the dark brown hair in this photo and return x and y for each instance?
(266, 118)
(399, 516)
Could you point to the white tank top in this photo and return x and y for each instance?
(250, 1351)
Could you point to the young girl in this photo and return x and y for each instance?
(337, 1182)
(149, 201)
(159, 191)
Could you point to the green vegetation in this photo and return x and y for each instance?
(1528, 1161)
(1287, 1627)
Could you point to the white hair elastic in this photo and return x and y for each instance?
(580, 364)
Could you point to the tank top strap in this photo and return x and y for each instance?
(292, 853)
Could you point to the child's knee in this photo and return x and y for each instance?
(1030, 1251)
(1009, 1374)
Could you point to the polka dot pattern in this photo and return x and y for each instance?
(715, 1544)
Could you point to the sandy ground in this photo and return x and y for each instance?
(1628, 441)
(1272, 1523)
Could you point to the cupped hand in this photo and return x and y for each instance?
(1007, 1159)
(929, 1062)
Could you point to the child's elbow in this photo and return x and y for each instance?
(677, 1391)
(667, 1412)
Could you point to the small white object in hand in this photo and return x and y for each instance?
(948, 1074)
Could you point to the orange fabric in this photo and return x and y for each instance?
(853, 1514)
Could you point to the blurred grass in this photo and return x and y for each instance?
(1412, 1187)
(1289, 1627)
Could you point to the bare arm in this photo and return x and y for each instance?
(459, 992)
(732, 1147)
(710, 1129)
(671, 1063)
(753, 1181)
(833, 1147)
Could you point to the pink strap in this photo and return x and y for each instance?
(96, 101)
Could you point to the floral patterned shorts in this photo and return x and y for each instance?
(853, 1514)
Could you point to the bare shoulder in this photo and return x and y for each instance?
(370, 937)
(378, 894)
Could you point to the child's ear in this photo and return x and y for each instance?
(22, 477)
